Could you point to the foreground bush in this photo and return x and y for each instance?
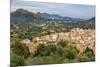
(70, 52)
(17, 60)
(49, 54)
(87, 56)
(43, 60)
(20, 49)
(18, 53)
(56, 50)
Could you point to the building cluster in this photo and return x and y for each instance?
(79, 38)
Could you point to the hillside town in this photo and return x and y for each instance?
(51, 33)
(79, 38)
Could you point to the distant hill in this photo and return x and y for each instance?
(21, 15)
(90, 23)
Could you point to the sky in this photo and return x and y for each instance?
(63, 9)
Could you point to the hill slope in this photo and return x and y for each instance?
(21, 15)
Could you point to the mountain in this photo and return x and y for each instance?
(92, 19)
(90, 23)
(21, 15)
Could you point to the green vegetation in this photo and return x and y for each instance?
(25, 30)
(17, 60)
(87, 56)
(62, 52)
(28, 25)
(20, 49)
(19, 52)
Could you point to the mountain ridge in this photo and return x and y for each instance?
(26, 15)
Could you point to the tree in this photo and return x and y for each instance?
(70, 52)
(41, 48)
(20, 49)
(17, 60)
(89, 52)
(63, 43)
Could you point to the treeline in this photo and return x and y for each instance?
(28, 29)
(63, 52)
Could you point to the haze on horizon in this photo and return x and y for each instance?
(63, 9)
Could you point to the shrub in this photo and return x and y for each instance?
(52, 48)
(20, 49)
(70, 52)
(17, 60)
(43, 60)
(87, 56)
(89, 52)
(41, 50)
(60, 51)
(56, 50)
(83, 59)
(46, 60)
(63, 43)
(39, 60)
(48, 50)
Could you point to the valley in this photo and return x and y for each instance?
(42, 38)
